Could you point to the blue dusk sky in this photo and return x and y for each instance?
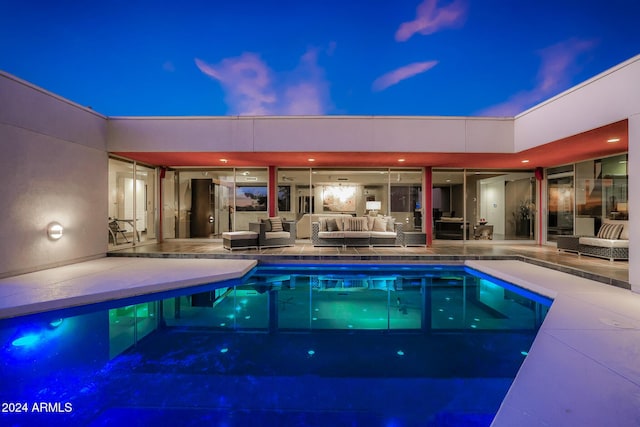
(314, 57)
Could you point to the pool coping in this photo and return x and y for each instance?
(107, 279)
(386, 258)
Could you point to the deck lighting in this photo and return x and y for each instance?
(55, 230)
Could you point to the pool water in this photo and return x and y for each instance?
(288, 345)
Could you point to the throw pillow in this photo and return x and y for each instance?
(379, 224)
(610, 231)
(276, 223)
(357, 224)
(332, 225)
(267, 224)
(391, 223)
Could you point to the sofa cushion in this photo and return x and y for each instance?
(389, 234)
(277, 235)
(610, 231)
(370, 221)
(332, 225)
(267, 224)
(604, 243)
(379, 224)
(625, 227)
(276, 223)
(356, 234)
(331, 234)
(358, 224)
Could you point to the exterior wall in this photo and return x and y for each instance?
(634, 203)
(53, 168)
(326, 133)
(607, 98)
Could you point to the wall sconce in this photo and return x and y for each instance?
(55, 230)
(373, 206)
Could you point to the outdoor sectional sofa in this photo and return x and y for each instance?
(356, 231)
(612, 241)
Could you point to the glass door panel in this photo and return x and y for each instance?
(560, 206)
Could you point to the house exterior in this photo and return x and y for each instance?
(67, 164)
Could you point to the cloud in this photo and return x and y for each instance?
(247, 82)
(559, 64)
(253, 88)
(430, 18)
(396, 76)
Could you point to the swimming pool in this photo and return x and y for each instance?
(286, 345)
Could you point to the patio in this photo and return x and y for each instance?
(614, 273)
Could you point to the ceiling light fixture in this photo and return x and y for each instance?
(612, 140)
(224, 160)
(311, 160)
(401, 160)
(525, 161)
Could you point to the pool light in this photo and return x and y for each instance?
(400, 353)
(26, 340)
(224, 350)
(55, 323)
(311, 352)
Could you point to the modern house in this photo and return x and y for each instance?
(560, 168)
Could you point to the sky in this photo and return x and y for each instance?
(314, 57)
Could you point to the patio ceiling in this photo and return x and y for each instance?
(587, 145)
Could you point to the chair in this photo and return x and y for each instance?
(114, 230)
(286, 237)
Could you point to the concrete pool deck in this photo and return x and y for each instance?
(107, 279)
(583, 368)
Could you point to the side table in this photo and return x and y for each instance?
(414, 238)
(568, 243)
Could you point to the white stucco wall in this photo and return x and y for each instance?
(607, 98)
(634, 202)
(323, 133)
(53, 168)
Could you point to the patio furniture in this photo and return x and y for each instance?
(612, 241)
(414, 238)
(356, 231)
(568, 243)
(274, 232)
(239, 240)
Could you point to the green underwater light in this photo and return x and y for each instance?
(26, 341)
(56, 323)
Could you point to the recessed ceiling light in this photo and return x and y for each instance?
(401, 160)
(612, 140)
(311, 160)
(525, 161)
(224, 160)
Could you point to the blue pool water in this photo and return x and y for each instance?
(287, 345)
